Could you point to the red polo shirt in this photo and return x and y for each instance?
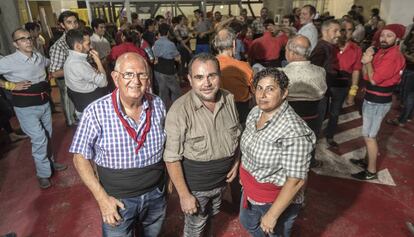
(350, 58)
(388, 65)
(123, 48)
(267, 47)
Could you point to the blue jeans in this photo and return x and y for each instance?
(36, 122)
(148, 209)
(66, 103)
(250, 218)
(337, 98)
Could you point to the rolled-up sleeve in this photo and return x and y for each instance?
(85, 137)
(296, 155)
(174, 147)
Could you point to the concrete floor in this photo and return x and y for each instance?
(335, 206)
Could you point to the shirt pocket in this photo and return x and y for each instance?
(231, 139)
(197, 145)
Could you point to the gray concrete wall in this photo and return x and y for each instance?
(9, 21)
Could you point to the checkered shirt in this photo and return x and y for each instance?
(281, 149)
(257, 26)
(58, 54)
(102, 137)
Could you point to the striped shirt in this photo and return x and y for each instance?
(102, 137)
(281, 149)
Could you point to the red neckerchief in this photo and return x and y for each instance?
(131, 131)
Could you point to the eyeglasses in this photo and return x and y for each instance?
(24, 39)
(131, 75)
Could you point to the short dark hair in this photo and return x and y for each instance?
(375, 11)
(278, 76)
(176, 20)
(148, 23)
(236, 26)
(198, 11)
(130, 36)
(134, 16)
(96, 22)
(159, 17)
(203, 57)
(268, 22)
(164, 28)
(312, 9)
(290, 17)
(31, 26)
(137, 28)
(75, 36)
(328, 23)
(67, 14)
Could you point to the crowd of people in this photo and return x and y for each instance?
(258, 94)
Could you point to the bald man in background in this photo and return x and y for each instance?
(123, 133)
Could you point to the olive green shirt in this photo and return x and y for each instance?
(194, 132)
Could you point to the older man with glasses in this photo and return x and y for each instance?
(123, 133)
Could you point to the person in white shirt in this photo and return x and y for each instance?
(85, 83)
(98, 41)
(307, 14)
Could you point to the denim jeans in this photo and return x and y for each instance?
(167, 84)
(36, 122)
(250, 219)
(147, 209)
(65, 102)
(209, 205)
(337, 98)
(372, 116)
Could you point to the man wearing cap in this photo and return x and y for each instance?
(383, 71)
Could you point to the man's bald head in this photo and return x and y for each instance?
(129, 58)
(224, 39)
(300, 46)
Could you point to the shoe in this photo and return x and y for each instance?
(332, 143)
(316, 164)
(410, 227)
(44, 183)
(365, 175)
(15, 137)
(359, 162)
(58, 166)
(394, 122)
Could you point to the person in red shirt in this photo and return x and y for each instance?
(383, 71)
(129, 39)
(266, 49)
(349, 60)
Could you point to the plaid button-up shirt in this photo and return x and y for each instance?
(281, 149)
(102, 137)
(58, 54)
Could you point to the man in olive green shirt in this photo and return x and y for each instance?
(201, 151)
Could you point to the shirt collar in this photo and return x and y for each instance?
(282, 108)
(145, 104)
(198, 104)
(95, 35)
(77, 55)
(21, 56)
(299, 62)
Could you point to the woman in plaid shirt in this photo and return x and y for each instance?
(276, 150)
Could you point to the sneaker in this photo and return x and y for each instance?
(44, 183)
(58, 166)
(359, 162)
(332, 143)
(365, 175)
(394, 122)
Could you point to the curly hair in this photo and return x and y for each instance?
(278, 76)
